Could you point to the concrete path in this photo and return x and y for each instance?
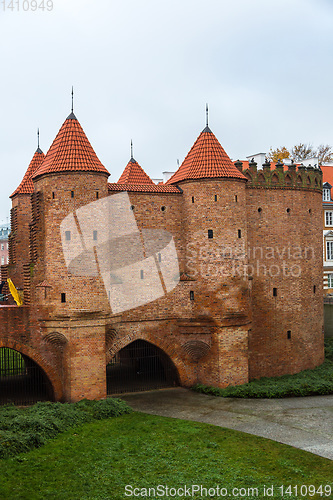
(306, 423)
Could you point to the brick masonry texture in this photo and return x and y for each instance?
(249, 301)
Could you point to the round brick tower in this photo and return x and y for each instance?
(69, 303)
(215, 256)
(19, 257)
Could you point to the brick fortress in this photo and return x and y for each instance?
(249, 299)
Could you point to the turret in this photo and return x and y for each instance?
(70, 177)
(19, 257)
(214, 217)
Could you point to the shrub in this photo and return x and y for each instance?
(22, 429)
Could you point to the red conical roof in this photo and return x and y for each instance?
(206, 159)
(70, 151)
(134, 174)
(27, 186)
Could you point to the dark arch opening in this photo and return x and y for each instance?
(140, 366)
(22, 381)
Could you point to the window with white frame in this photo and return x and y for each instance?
(2, 260)
(2, 246)
(330, 280)
(328, 218)
(326, 194)
(329, 250)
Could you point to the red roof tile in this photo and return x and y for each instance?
(327, 174)
(206, 159)
(70, 151)
(134, 174)
(27, 186)
(143, 188)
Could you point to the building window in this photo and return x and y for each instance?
(289, 334)
(314, 288)
(63, 297)
(236, 199)
(326, 194)
(192, 199)
(67, 235)
(72, 194)
(159, 257)
(97, 195)
(163, 208)
(328, 218)
(95, 235)
(53, 195)
(191, 295)
(330, 280)
(2, 246)
(141, 274)
(274, 292)
(239, 233)
(2, 260)
(288, 210)
(210, 234)
(215, 197)
(329, 250)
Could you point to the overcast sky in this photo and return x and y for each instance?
(144, 70)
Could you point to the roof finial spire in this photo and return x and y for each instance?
(38, 138)
(206, 114)
(72, 99)
(131, 149)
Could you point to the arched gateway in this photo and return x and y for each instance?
(22, 381)
(140, 366)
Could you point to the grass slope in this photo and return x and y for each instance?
(97, 461)
(306, 383)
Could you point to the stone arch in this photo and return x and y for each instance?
(49, 371)
(168, 347)
(299, 180)
(248, 176)
(275, 179)
(308, 181)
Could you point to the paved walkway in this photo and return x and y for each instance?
(306, 423)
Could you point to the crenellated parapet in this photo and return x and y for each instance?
(276, 176)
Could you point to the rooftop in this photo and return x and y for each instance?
(26, 186)
(70, 151)
(206, 159)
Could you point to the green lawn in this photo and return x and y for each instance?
(97, 460)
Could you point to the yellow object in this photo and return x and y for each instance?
(14, 292)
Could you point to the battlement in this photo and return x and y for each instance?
(280, 176)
